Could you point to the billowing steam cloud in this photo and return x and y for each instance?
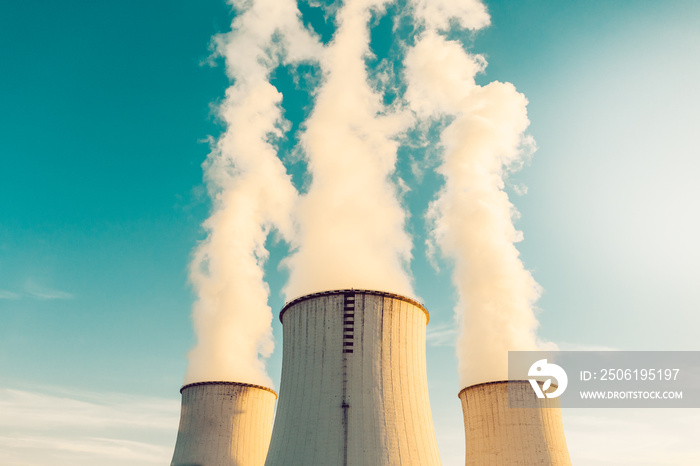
(351, 224)
(349, 228)
(472, 216)
(251, 194)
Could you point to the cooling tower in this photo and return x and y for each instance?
(497, 435)
(354, 385)
(224, 424)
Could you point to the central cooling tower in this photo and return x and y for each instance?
(498, 435)
(354, 385)
(224, 424)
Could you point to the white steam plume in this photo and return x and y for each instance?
(348, 229)
(472, 217)
(350, 222)
(251, 194)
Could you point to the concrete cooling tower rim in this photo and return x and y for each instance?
(493, 383)
(351, 290)
(241, 384)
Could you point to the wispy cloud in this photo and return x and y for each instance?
(441, 335)
(632, 436)
(83, 428)
(565, 346)
(622, 437)
(87, 450)
(4, 294)
(45, 293)
(23, 409)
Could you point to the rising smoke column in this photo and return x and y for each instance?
(472, 217)
(251, 194)
(350, 222)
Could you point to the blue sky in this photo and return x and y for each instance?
(106, 109)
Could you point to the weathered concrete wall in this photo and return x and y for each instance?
(224, 424)
(498, 435)
(354, 384)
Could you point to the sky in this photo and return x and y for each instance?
(109, 112)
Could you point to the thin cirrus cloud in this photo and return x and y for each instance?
(84, 451)
(568, 346)
(36, 292)
(40, 292)
(5, 294)
(441, 335)
(35, 410)
(632, 436)
(109, 428)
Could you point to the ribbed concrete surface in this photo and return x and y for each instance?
(354, 385)
(498, 435)
(224, 424)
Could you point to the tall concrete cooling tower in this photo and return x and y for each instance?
(224, 424)
(354, 385)
(497, 435)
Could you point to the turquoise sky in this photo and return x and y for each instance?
(105, 109)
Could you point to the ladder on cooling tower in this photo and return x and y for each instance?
(348, 341)
(348, 322)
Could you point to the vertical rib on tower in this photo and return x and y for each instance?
(496, 434)
(224, 424)
(354, 385)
